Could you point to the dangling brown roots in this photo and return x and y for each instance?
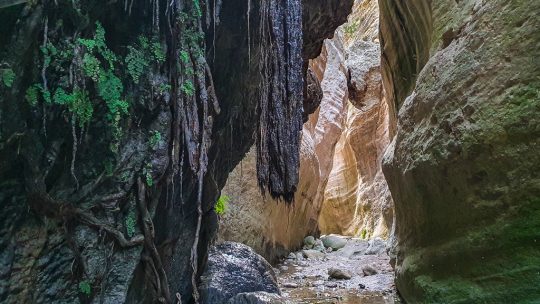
(193, 122)
(162, 284)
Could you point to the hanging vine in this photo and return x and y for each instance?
(88, 88)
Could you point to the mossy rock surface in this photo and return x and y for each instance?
(463, 170)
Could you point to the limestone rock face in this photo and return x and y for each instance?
(271, 228)
(357, 200)
(463, 168)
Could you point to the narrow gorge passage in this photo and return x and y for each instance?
(269, 151)
(341, 188)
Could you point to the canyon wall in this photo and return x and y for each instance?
(274, 229)
(463, 167)
(357, 200)
(108, 186)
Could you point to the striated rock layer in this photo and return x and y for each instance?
(463, 168)
(357, 200)
(271, 228)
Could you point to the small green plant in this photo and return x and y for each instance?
(139, 57)
(85, 288)
(91, 66)
(364, 233)
(31, 94)
(147, 173)
(198, 11)
(149, 179)
(222, 204)
(77, 102)
(155, 139)
(157, 51)
(184, 57)
(164, 88)
(125, 177)
(8, 76)
(188, 88)
(136, 63)
(109, 167)
(350, 28)
(131, 221)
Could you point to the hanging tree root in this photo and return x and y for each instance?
(150, 247)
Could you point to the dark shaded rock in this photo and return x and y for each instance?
(290, 285)
(331, 284)
(404, 52)
(235, 268)
(320, 19)
(339, 274)
(313, 94)
(369, 270)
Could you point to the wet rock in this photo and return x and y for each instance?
(291, 256)
(299, 256)
(329, 249)
(339, 274)
(369, 270)
(376, 246)
(235, 268)
(309, 241)
(313, 254)
(336, 242)
(330, 284)
(259, 297)
(361, 286)
(290, 285)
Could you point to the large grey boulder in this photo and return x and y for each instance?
(234, 268)
(334, 241)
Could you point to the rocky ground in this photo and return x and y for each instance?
(354, 271)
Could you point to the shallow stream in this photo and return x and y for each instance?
(304, 280)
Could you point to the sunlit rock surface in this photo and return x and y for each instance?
(463, 170)
(357, 200)
(271, 228)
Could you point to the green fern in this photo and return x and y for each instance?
(222, 204)
(188, 88)
(91, 66)
(184, 57)
(155, 139)
(85, 288)
(77, 102)
(31, 94)
(8, 76)
(157, 51)
(136, 63)
(131, 222)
